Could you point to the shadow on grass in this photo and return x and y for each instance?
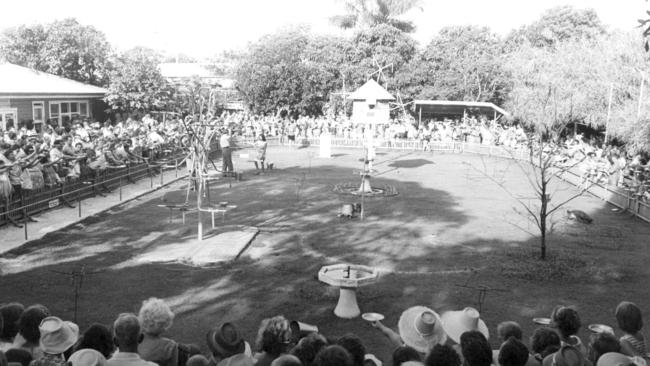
(410, 163)
(300, 231)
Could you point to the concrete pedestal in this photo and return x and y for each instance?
(347, 306)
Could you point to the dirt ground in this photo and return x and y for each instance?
(449, 232)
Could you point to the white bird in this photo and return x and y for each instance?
(579, 216)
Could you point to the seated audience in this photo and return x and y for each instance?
(308, 347)
(87, 357)
(333, 356)
(507, 330)
(404, 354)
(442, 355)
(57, 336)
(567, 322)
(29, 335)
(567, 355)
(476, 350)
(227, 347)
(155, 318)
(419, 327)
(19, 357)
(513, 353)
(629, 319)
(99, 338)
(600, 344)
(619, 359)
(127, 335)
(543, 342)
(273, 339)
(286, 360)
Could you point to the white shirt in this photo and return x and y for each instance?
(224, 141)
(127, 359)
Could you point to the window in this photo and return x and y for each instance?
(8, 118)
(37, 112)
(54, 110)
(66, 111)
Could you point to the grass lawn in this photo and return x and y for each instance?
(448, 232)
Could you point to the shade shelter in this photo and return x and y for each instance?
(445, 108)
(371, 104)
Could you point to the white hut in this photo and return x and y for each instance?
(371, 104)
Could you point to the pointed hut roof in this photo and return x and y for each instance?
(371, 91)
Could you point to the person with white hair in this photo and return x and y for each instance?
(155, 318)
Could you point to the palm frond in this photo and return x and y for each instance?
(405, 26)
(347, 21)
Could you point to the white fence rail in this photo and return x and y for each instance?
(614, 195)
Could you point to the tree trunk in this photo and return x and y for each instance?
(542, 217)
(542, 239)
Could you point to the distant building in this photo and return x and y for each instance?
(371, 104)
(180, 72)
(27, 94)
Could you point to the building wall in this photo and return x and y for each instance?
(25, 111)
(362, 113)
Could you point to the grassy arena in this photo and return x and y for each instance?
(449, 229)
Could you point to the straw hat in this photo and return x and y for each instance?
(458, 322)
(87, 357)
(421, 328)
(57, 335)
(619, 359)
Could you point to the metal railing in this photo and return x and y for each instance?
(71, 193)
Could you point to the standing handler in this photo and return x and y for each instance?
(226, 152)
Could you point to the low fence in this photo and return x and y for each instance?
(19, 209)
(72, 192)
(619, 197)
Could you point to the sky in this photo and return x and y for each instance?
(202, 28)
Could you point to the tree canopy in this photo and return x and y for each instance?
(461, 63)
(65, 48)
(136, 82)
(559, 24)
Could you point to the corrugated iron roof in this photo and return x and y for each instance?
(448, 103)
(19, 80)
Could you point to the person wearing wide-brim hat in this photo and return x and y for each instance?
(455, 323)
(227, 346)
(419, 327)
(57, 336)
(87, 357)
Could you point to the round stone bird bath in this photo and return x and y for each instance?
(347, 277)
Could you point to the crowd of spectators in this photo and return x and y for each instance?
(34, 337)
(83, 148)
(596, 162)
(32, 161)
